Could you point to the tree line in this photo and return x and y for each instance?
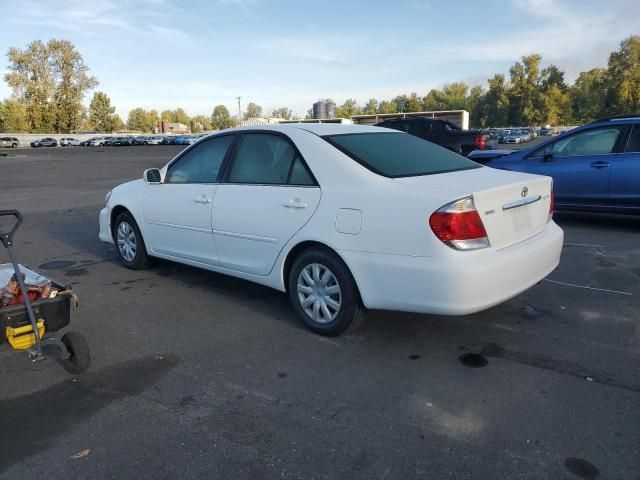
(530, 95)
(49, 82)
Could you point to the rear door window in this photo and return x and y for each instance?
(399, 155)
(633, 145)
(300, 174)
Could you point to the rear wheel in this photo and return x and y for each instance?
(323, 293)
(129, 243)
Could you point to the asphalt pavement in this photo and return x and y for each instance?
(199, 375)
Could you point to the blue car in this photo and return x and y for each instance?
(594, 167)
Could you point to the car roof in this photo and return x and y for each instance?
(626, 119)
(320, 129)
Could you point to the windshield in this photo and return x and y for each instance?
(398, 154)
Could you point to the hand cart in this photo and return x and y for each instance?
(29, 325)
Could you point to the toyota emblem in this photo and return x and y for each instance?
(524, 192)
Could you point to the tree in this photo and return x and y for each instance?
(371, 107)
(348, 109)
(32, 80)
(101, 112)
(623, 78)
(387, 107)
(453, 96)
(142, 121)
(13, 117)
(118, 124)
(400, 102)
(474, 104)
(72, 83)
(151, 121)
(282, 112)
(221, 118)
(253, 111)
(550, 76)
(180, 116)
(413, 103)
(50, 80)
(167, 116)
(85, 122)
(588, 95)
(200, 123)
(496, 102)
(525, 99)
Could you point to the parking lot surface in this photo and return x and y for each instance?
(199, 375)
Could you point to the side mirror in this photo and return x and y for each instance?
(152, 176)
(548, 154)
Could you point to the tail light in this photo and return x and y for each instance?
(459, 225)
(480, 142)
(551, 205)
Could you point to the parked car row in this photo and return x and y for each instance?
(45, 142)
(52, 142)
(140, 140)
(519, 134)
(12, 142)
(9, 142)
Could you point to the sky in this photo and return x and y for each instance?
(195, 54)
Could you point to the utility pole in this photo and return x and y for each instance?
(239, 110)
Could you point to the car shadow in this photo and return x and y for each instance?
(590, 219)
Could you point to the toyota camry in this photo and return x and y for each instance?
(343, 218)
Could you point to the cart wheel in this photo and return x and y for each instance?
(79, 358)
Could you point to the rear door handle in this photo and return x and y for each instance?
(203, 199)
(295, 203)
(600, 164)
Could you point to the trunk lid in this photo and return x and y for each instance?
(513, 206)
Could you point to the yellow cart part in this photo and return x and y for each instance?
(22, 338)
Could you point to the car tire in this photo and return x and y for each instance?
(14, 145)
(129, 243)
(325, 297)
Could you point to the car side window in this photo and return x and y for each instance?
(633, 145)
(595, 141)
(262, 159)
(201, 163)
(300, 175)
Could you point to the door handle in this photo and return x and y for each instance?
(600, 164)
(295, 203)
(203, 199)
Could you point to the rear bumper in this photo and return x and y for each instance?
(105, 226)
(453, 282)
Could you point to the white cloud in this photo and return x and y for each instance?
(98, 18)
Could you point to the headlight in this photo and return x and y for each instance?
(107, 196)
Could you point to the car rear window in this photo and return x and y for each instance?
(399, 155)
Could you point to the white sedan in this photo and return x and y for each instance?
(342, 217)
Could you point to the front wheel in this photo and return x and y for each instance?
(324, 294)
(129, 243)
